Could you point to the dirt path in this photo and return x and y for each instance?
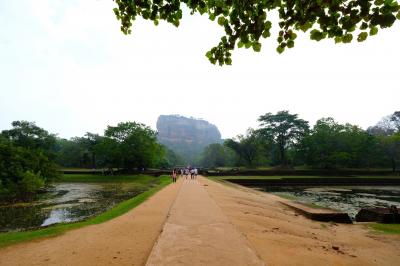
(282, 237)
(198, 233)
(126, 240)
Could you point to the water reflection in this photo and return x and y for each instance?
(346, 199)
(66, 202)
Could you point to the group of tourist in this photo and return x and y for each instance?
(184, 172)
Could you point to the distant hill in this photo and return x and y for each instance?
(186, 136)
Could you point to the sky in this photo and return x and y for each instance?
(66, 66)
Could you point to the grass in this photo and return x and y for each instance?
(312, 205)
(387, 228)
(10, 238)
(90, 178)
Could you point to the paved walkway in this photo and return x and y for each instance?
(198, 233)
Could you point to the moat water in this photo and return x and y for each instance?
(343, 198)
(65, 203)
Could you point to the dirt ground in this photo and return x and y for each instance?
(281, 237)
(203, 221)
(198, 233)
(125, 240)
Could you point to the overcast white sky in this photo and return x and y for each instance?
(67, 66)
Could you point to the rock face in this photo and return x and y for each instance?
(186, 136)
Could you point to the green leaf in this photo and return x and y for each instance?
(267, 25)
(280, 49)
(290, 44)
(257, 47)
(209, 54)
(156, 22)
(240, 44)
(176, 23)
(116, 11)
(228, 61)
(347, 38)
(179, 14)
(398, 15)
(338, 39)
(362, 36)
(373, 31)
(221, 21)
(364, 26)
(317, 35)
(266, 34)
(212, 16)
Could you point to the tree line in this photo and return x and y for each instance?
(31, 157)
(285, 140)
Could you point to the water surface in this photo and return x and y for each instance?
(344, 198)
(66, 202)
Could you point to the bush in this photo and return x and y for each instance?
(30, 184)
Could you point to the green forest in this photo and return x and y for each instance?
(285, 140)
(31, 157)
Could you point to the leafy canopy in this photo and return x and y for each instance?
(282, 129)
(246, 21)
(247, 147)
(132, 144)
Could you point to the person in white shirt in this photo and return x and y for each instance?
(186, 173)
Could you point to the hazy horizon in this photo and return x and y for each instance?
(67, 66)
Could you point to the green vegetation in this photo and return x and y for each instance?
(282, 130)
(285, 142)
(128, 145)
(216, 155)
(89, 178)
(30, 157)
(26, 161)
(387, 228)
(246, 23)
(249, 148)
(16, 237)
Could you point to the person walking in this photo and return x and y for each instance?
(186, 172)
(195, 173)
(174, 175)
(192, 174)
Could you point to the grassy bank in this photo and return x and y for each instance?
(387, 228)
(88, 178)
(125, 206)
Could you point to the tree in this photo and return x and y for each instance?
(246, 22)
(131, 145)
(332, 145)
(78, 151)
(395, 119)
(26, 161)
(170, 159)
(283, 130)
(29, 135)
(248, 147)
(387, 126)
(216, 155)
(391, 147)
